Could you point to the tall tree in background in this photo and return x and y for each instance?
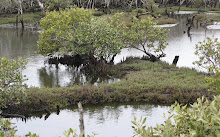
(20, 12)
(43, 12)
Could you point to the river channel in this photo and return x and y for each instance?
(108, 120)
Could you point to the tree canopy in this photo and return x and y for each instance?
(75, 31)
(143, 35)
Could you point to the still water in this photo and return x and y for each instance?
(107, 120)
(180, 43)
(15, 43)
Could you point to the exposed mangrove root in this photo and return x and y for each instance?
(76, 60)
(89, 64)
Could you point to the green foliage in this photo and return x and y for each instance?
(75, 31)
(72, 133)
(214, 81)
(32, 135)
(64, 31)
(6, 129)
(198, 3)
(58, 4)
(7, 6)
(151, 6)
(11, 86)
(139, 10)
(144, 36)
(141, 81)
(209, 58)
(202, 119)
(209, 54)
(107, 36)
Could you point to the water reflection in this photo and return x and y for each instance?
(15, 43)
(107, 120)
(180, 43)
(61, 75)
(216, 25)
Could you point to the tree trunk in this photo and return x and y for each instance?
(42, 8)
(179, 8)
(166, 12)
(20, 11)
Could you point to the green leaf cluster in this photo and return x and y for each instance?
(202, 119)
(214, 81)
(75, 31)
(57, 4)
(6, 129)
(209, 54)
(209, 58)
(145, 36)
(11, 81)
(72, 133)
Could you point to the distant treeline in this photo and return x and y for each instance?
(11, 6)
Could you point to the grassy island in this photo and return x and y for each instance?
(141, 81)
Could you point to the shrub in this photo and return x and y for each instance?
(11, 81)
(202, 119)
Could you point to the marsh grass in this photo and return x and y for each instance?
(141, 80)
(208, 17)
(27, 17)
(128, 18)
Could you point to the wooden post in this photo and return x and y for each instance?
(175, 60)
(81, 122)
